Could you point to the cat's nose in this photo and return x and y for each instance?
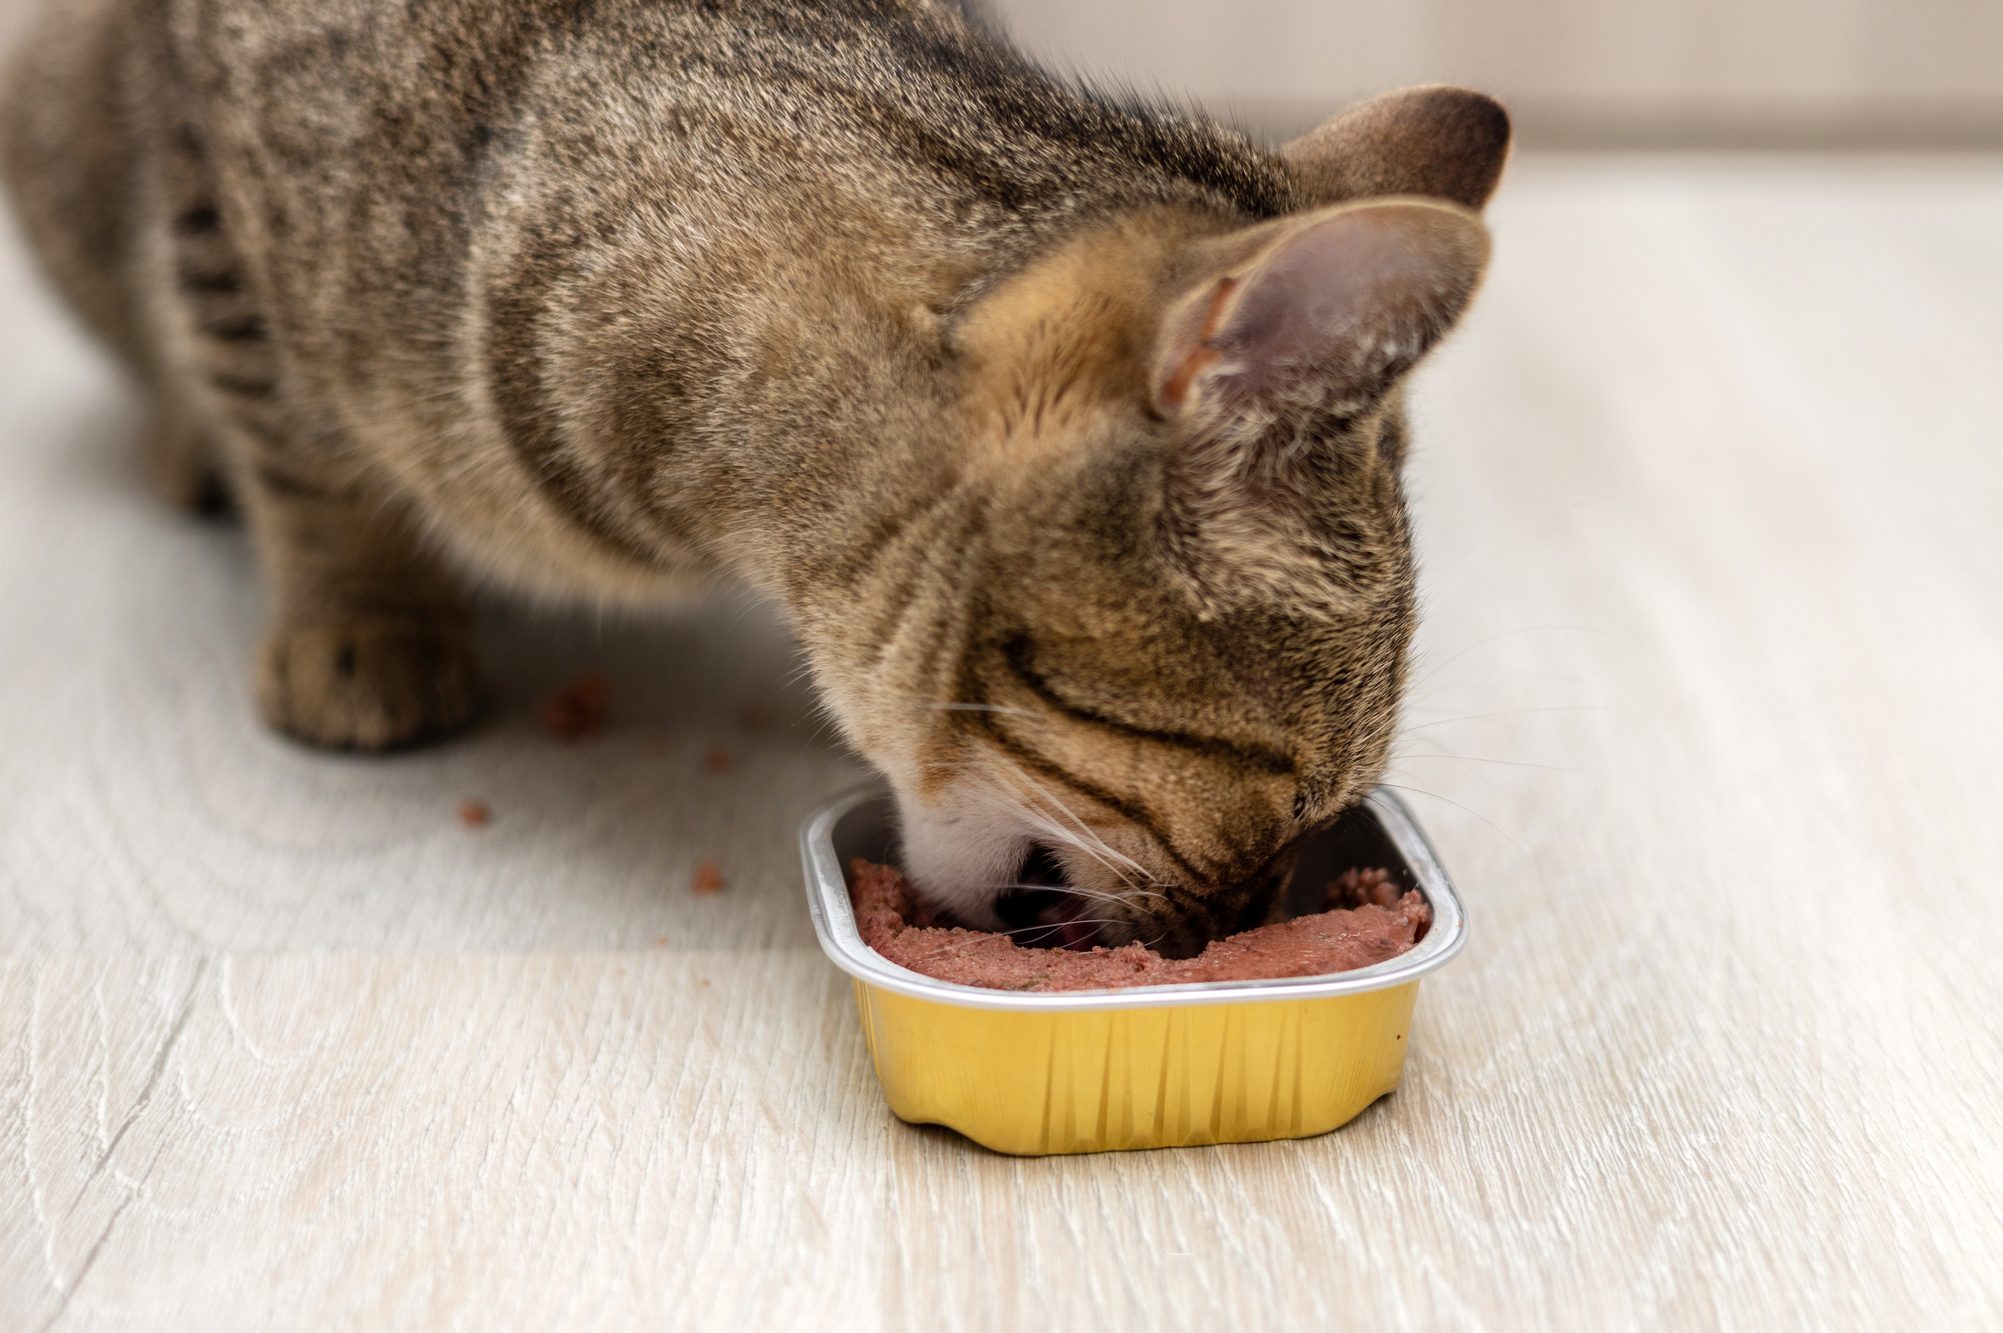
(1268, 897)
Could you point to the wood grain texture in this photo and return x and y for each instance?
(1710, 496)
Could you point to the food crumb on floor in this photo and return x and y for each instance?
(475, 814)
(578, 709)
(708, 879)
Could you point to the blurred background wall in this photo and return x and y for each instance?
(1576, 73)
(1756, 73)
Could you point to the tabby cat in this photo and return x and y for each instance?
(1065, 429)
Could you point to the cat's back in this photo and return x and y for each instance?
(291, 112)
(429, 108)
(410, 191)
(357, 146)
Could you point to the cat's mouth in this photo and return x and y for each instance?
(1042, 910)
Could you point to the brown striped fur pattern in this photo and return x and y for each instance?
(1066, 430)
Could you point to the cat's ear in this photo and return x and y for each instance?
(1443, 142)
(1325, 310)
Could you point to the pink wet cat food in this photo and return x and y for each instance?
(1368, 920)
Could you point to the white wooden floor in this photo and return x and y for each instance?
(1710, 492)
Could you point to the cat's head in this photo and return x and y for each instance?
(1165, 637)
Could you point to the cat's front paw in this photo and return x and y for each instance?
(366, 685)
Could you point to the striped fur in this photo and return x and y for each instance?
(606, 299)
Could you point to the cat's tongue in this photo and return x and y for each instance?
(1049, 919)
(1059, 911)
(1073, 933)
(1068, 923)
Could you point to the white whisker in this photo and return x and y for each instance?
(1098, 847)
(1026, 938)
(1483, 759)
(1421, 791)
(1508, 712)
(1100, 895)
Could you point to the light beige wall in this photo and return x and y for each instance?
(1866, 72)
(1874, 71)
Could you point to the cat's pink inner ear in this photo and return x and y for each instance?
(1336, 306)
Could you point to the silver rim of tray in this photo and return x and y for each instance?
(834, 924)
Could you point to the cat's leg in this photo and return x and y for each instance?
(366, 645)
(182, 464)
(366, 637)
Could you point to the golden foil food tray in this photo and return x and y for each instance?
(1149, 1066)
